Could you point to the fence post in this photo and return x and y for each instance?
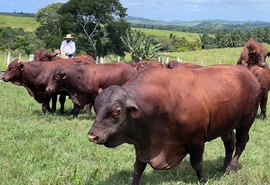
(118, 59)
(8, 59)
(5, 57)
(31, 57)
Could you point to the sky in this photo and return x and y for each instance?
(169, 10)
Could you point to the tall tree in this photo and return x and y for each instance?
(87, 20)
(50, 29)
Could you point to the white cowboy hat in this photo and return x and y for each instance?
(68, 36)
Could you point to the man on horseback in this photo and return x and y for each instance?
(68, 46)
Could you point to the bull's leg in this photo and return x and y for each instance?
(263, 104)
(229, 144)
(242, 137)
(138, 170)
(76, 110)
(62, 100)
(46, 105)
(54, 100)
(87, 108)
(196, 154)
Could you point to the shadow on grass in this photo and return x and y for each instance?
(67, 114)
(183, 174)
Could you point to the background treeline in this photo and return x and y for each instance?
(209, 27)
(102, 33)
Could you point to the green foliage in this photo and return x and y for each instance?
(140, 46)
(18, 39)
(49, 30)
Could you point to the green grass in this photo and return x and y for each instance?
(53, 149)
(166, 33)
(27, 23)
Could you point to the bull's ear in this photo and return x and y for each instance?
(100, 90)
(133, 109)
(21, 66)
(268, 54)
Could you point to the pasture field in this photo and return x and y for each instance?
(27, 23)
(53, 149)
(166, 33)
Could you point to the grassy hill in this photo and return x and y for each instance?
(166, 33)
(27, 23)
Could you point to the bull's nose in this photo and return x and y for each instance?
(48, 89)
(92, 138)
(5, 80)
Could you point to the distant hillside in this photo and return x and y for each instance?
(166, 33)
(140, 20)
(18, 21)
(200, 26)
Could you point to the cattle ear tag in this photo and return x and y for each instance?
(134, 111)
(64, 76)
(100, 90)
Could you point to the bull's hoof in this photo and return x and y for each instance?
(263, 116)
(203, 180)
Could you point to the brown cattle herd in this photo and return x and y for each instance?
(165, 111)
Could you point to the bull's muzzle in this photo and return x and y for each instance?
(92, 138)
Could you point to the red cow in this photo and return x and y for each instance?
(34, 76)
(147, 63)
(44, 55)
(173, 64)
(169, 113)
(83, 82)
(253, 53)
(263, 76)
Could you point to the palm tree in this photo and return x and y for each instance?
(140, 46)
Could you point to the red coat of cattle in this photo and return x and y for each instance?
(142, 64)
(169, 113)
(174, 64)
(34, 76)
(44, 55)
(83, 82)
(253, 53)
(263, 76)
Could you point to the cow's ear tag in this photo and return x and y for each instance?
(64, 76)
(100, 90)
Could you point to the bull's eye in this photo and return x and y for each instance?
(57, 77)
(116, 112)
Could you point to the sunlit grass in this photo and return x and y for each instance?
(27, 23)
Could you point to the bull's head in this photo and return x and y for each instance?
(115, 112)
(56, 78)
(258, 58)
(14, 72)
